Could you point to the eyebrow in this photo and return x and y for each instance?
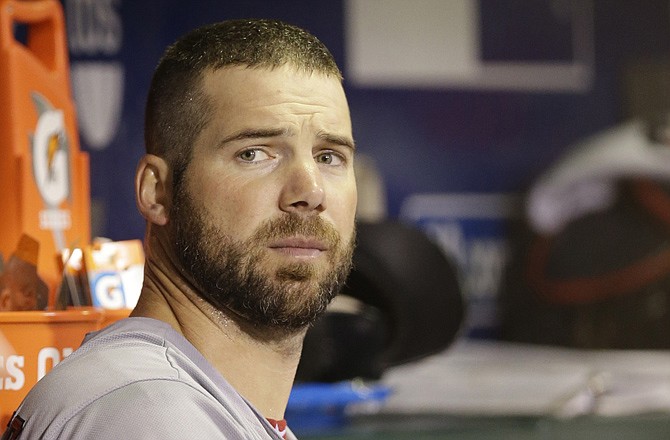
(255, 134)
(337, 140)
(259, 133)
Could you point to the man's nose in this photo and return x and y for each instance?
(303, 190)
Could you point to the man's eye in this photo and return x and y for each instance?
(329, 158)
(253, 155)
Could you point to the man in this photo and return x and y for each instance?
(249, 195)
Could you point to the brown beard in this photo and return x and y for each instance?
(229, 274)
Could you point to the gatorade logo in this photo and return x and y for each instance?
(108, 291)
(51, 165)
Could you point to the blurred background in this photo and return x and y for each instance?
(459, 106)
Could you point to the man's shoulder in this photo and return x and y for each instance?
(151, 408)
(137, 377)
(115, 356)
(130, 365)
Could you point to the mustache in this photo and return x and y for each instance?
(291, 225)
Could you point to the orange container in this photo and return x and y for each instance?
(44, 177)
(113, 315)
(31, 343)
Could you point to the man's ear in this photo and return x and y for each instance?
(152, 189)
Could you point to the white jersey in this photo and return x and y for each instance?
(138, 379)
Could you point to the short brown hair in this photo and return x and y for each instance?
(176, 108)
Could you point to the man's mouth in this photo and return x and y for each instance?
(299, 247)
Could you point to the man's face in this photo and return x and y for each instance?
(263, 220)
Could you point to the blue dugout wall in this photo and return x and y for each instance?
(461, 103)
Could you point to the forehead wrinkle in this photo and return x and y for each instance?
(288, 131)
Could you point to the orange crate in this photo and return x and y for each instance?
(110, 316)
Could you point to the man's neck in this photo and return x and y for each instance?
(259, 363)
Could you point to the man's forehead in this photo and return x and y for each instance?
(214, 77)
(256, 90)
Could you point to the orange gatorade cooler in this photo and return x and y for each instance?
(32, 343)
(44, 177)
